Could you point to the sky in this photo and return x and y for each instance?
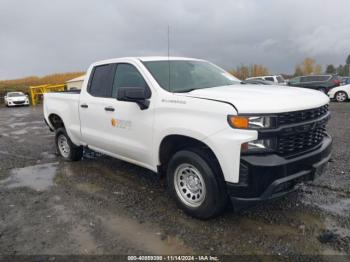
(39, 37)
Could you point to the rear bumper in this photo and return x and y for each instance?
(267, 177)
(330, 95)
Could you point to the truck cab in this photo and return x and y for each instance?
(215, 140)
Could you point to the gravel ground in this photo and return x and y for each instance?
(105, 206)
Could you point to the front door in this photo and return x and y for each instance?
(119, 128)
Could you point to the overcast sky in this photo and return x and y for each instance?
(38, 37)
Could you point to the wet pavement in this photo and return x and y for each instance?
(105, 206)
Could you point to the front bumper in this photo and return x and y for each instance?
(18, 103)
(271, 176)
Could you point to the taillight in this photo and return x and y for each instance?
(336, 82)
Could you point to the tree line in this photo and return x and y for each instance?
(22, 84)
(307, 67)
(342, 70)
(243, 71)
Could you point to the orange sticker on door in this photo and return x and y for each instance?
(114, 122)
(119, 123)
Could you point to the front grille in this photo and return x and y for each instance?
(301, 116)
(18, 102)
(299, 142)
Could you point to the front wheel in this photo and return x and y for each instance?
(196, 184)
(65, 146)
(341, 96)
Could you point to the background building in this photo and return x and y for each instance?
(75, 83)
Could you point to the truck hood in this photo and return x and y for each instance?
(17, 98)
(263, 99)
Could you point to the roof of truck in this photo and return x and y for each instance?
(164, 58)
(143, 59)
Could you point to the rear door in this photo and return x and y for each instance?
(305, 81)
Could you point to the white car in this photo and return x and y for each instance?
(340, 93)
(16, 99)
(212, 138)
(277, 79)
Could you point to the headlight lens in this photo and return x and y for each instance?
(251, 122)
(259, 146)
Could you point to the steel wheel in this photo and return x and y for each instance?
(189, 185)
(63, 146)
(341, 96)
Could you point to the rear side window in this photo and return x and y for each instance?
(269, 79)
(307, 79)
(127, 75)
(102, 81)
(321, 78)
(316, 78)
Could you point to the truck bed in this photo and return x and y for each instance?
(66, 106)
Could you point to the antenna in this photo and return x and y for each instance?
(169, 58)
(168, 41)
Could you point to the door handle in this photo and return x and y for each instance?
(109, 108)
(84, 106)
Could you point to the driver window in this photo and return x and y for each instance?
(126, 75)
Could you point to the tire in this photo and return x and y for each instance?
(65, 146)
(341, 96)
(195, 182)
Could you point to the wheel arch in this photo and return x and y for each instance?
(171, 144)
(56, 121)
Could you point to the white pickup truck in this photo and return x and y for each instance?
(214, 139)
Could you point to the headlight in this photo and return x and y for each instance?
(251, 122)
(259, 146)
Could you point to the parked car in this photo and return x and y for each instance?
(277, 79)
(16, 99)
(322, 83)
(212, 138)
(345, 80)
(340, 93)
(257, 82)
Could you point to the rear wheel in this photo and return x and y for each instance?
(65, 146)
(196, 183)
(341, 96)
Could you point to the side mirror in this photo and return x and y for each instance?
(138, 95)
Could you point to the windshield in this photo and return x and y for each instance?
(186, 76)
(15, 94)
